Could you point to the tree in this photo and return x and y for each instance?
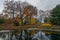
(12, 8)
(9, 8)
(29, 11)
(55, 15)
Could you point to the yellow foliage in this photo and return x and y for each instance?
(47, 32)
(33, 20)
(32, 32)
(46, 24)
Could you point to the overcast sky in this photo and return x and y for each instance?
(40, 4)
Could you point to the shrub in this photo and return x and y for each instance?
(46, 24)
(2, 21)
(16, 23)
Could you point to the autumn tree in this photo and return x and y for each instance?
(11, 8)
(29, 11)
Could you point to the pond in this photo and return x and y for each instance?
(29, 35)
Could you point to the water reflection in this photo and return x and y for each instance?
(24, 35)
(38, 35)
(4, 36)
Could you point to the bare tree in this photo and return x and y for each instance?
(12, 8)
(9, 7)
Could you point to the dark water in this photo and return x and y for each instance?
(55, 36)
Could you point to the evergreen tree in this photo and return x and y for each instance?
(55, 15)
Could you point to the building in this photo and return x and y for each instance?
(42, 15)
